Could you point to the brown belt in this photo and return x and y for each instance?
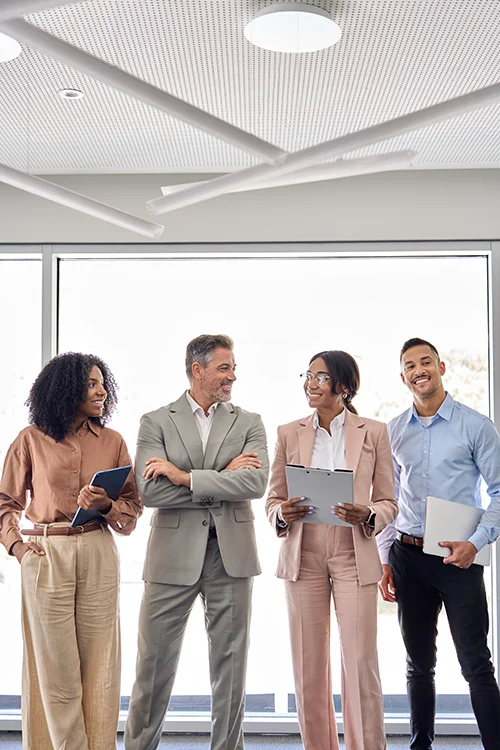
(63, 530)
(417, 541)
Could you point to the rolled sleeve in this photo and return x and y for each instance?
(15, 484)
(487, 460)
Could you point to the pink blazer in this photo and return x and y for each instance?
(368, 454)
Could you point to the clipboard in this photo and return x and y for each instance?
(446, 520)
(111, 480)
(321, 488)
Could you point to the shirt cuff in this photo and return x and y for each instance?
(479, 539)
(190, 481)
(384, 555)
(11, 537)
(113, 514)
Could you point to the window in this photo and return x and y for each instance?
(139, 314)
(21, 343)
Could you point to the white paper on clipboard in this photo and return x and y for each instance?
(448, 521)
(321, 488)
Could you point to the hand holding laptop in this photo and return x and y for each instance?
(462, 554)
(444, 520)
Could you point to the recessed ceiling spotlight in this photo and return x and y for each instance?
(71, 94)
(9, 48)
(293, 27)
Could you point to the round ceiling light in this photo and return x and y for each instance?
(293, 27)
(9, 48)
(71, 94)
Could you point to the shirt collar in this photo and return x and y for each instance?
(88, 425)
(195, 406)
(444, 410)
(338, 421)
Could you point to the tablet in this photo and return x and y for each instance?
(111, 480)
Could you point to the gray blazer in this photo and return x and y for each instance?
(180, 523)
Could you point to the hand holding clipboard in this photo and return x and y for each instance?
(321, 489)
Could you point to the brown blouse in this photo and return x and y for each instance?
(54, 472)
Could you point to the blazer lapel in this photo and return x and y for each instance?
(185, 423)
(223, 421)
(305, 437)
(355, 433)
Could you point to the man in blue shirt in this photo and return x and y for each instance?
(441, 448)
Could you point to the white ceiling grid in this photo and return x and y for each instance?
(395, 56)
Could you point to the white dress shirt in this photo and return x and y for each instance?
(329, 449)
(203, 423)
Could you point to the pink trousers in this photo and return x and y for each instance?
(328, 570)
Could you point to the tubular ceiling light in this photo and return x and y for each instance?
(293, 27)
(112, 76)
(308, 157)
(9, 48)
(68, 198)
(341, 168)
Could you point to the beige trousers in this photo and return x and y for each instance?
(71, 665)
(328, 569)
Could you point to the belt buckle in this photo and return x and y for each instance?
(81, 529)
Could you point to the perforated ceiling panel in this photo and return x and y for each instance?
(395, 56)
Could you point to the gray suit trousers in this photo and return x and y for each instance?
(163, 618)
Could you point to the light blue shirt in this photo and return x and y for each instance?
(445, 459)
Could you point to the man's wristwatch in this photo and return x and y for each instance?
(370, 522)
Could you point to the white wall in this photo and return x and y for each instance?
(418, 205)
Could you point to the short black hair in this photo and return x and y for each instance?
(61, 387)
(343, 371)
(417, 342)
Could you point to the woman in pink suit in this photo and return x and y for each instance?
(319, 562)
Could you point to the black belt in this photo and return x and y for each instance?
(416, 541)
(212, 532)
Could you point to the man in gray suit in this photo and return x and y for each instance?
(200, 461)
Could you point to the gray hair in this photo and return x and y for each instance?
(201, 349)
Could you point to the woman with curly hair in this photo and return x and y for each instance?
(70, 576)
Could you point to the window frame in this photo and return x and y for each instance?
(51, 255)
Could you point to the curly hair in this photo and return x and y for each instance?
(60, 389)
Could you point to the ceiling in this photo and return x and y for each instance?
(395, 56)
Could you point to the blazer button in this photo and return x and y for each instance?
(205, 523)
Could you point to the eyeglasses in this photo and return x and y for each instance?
(320, 377)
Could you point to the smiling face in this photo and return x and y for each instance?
(319, 395)
(93, 404)
(421, 372)
(213, 384)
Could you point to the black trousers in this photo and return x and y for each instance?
(423, 584)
